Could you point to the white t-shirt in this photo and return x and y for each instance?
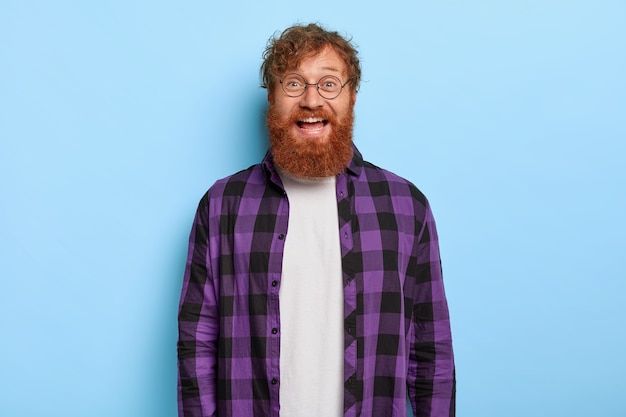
(311, 302)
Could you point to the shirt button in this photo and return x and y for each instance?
(274, 330)
(274, 381)
(345, 235)
(274, 283)
(281, 236)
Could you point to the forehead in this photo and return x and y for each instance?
(326, 61)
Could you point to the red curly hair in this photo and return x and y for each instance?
(298, 42)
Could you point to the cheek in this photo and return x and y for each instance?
(279, 101)
(282, 110)
(344, 108)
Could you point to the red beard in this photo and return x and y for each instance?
(304, 158)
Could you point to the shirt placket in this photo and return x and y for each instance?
(350, 298)
(274, 282)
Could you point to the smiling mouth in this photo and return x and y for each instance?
(312, 123)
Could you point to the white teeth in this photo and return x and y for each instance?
(312, 120)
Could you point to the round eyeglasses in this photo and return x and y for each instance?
(328, 86)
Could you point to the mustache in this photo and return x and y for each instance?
(302, 114)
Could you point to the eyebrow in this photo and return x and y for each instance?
(331, 69)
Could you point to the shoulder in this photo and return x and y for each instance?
(238, 185)
(382, 182)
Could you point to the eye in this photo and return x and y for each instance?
(330, 83)
(293, 82)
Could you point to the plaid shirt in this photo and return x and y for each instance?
(397, 330)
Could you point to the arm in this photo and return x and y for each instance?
(198, 325)
(431, 377)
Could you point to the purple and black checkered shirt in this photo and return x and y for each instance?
(397, 329)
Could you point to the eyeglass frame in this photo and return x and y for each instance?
(317, 84)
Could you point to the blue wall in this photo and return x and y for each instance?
(116, 116)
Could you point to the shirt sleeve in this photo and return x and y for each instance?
(198, 324)
(431, 378)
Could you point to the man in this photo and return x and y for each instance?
(313, 282)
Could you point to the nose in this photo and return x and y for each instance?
(311, 98)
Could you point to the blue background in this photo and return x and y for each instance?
(116, 116)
